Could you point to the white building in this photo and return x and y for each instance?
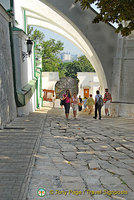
(66, 57)
(49, 80)
(88, 83)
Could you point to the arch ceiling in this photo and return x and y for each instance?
(47, 16)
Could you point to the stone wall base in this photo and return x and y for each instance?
(7, 101)
(122, 110)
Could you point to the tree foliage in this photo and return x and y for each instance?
(49, 50)
(82, 65)
(35, 35)
(114, 11)
(85, 65)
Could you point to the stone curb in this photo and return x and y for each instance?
(26, 182)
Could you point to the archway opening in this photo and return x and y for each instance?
(68, 63)
(46, 16)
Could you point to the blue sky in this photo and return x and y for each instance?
(68, 46)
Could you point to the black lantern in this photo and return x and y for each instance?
(29, 49)
(29, 46)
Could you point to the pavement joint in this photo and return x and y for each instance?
(56, 154)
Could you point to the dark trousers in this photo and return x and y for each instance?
(67, 108)
(97, 108)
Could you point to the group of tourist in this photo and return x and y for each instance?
(67, 100)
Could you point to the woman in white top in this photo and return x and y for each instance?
(75, 102)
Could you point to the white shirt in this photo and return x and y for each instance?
(97, 96)
(53, 99)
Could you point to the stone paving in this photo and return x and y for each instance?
(18, 145)
(84, 159)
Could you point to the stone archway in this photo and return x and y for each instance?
(68, 20)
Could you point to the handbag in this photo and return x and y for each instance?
(80, 104)
(63, 102)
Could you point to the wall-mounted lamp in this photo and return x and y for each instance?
(29, 49)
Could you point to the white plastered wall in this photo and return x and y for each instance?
(86, 81)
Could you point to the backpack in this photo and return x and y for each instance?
(100, 101)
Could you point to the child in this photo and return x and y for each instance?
(75, 102)
(85, 103)
(90, 103)
(62, 102)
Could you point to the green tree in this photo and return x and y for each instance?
(82, 65)
(72, 68)
(35, 35)
(50, 49)
(118, 11)
(38, 37)
(85, 64)
(62, 70)
(29, 30)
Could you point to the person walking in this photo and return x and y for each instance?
(90, 103)
(62, 102)
(53, 100)
(107, 100)
(67, 98)
(80, 103)
(98, 104)
(75, 102)
(85, 103)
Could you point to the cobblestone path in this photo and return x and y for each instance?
(84, 159)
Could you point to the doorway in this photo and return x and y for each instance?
(86, 92)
